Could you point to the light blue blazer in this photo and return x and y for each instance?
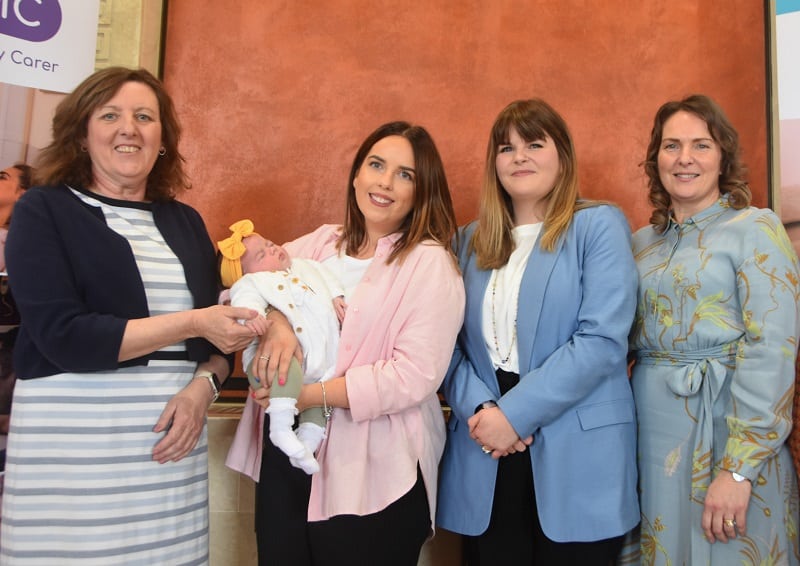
(576, 306)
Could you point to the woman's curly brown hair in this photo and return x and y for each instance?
(732, 171)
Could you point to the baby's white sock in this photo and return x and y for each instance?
(311, 436)
(281, 413)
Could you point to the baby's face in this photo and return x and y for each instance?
(263, 255)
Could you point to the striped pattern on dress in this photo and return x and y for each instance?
(81, 486)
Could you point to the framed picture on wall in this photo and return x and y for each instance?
(131, 34)
(784, 35)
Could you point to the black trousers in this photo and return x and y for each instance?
(282, 494)
(393, 536)
(515, 536)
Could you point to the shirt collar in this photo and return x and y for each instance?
(718, 207)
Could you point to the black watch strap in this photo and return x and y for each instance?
(485, 405)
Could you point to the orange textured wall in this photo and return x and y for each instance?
(275, 96)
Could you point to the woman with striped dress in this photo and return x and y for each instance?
(121, 346)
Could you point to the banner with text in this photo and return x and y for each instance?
(47, 44)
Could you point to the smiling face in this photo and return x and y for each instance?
(689, 162)
(123, 139)
(263, 255)
(528, 171)
(384, 186)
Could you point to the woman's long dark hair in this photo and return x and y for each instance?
(432, 216)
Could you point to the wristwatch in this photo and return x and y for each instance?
(213, 381)
(738, 477)
(485, 405)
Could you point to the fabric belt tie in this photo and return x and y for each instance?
(700, 372)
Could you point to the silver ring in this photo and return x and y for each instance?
(263, 358)
(486, 449)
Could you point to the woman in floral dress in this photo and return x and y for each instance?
(715, 339)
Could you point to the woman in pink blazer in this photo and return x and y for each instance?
(374, 499)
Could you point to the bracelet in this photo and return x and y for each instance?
(213, 381)
(326, 410)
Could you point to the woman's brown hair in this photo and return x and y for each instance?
(66, 161)
(432, 216)
(732, 171)
(533, 120)
(25, 175)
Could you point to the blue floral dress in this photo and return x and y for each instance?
(715, 338)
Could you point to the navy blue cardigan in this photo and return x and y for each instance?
(76, 283)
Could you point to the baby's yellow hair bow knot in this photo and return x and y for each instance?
(232, 249)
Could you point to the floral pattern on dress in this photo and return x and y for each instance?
(715, 338)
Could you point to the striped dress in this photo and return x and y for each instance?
(81, 485)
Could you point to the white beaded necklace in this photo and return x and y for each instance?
(503, 359)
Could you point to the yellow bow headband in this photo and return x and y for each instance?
(232, 249)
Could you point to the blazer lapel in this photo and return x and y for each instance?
(531, 297)
(476, 281)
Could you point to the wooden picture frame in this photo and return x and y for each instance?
(130, 33)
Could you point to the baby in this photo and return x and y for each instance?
(261, 274)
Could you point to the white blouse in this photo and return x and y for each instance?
(501, 301)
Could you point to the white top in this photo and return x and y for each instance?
(501, 301)
(347, 270)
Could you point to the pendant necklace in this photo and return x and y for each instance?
(503, 359)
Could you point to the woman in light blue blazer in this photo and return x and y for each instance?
(541, 469)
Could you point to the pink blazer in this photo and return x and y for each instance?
(395, 347)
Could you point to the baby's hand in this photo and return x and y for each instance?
(258, 324)
(340, 307)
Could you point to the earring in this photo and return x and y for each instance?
(163, 151)
(83, 148)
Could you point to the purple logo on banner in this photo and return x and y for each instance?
(31, 20)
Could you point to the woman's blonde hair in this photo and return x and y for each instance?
(533, 119)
